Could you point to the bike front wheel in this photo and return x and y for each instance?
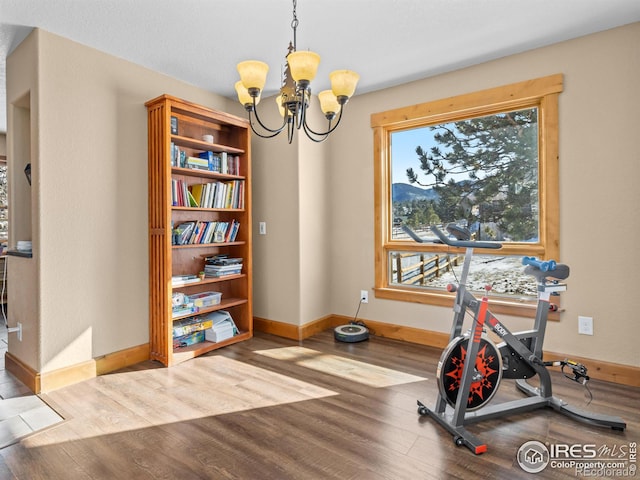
(486, 374)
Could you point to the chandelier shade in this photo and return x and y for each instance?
(243, 94)
(328, 102)
(303, 65)
(294, 98)
(253, 74)
(343, 83)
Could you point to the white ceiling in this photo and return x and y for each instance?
(388, 42)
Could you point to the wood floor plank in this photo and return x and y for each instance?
(239, 414)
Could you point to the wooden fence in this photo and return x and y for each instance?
(418, 269)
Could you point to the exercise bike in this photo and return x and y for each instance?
(465, 388)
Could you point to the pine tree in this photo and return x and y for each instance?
(485, 171)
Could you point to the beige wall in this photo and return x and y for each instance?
(276, 281)
(291, 194)
(599, 194)
(89, 271)
(3, 143)
(315, 224)
(23, 292)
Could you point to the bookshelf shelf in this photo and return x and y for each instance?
(194, 172)
(209, 280)
(199, 209)
(228, 303)
(202, 145)
(208, 245)
(166, 114)
(186, 353)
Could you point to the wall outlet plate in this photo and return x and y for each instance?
(364, 296)
(585, 325)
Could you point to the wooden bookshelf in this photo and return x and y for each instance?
(231, 137)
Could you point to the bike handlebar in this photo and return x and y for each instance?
(543, 266)
(448, 241)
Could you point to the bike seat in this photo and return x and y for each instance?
(459, 232)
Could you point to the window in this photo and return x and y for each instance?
(487, 161)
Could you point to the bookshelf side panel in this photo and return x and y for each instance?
(159, 235)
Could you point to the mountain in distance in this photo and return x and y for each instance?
(403, 192)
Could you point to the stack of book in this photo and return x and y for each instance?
(221, 266)
(189, 325)
(223, 326)
(189, 339)
(179, 280)
(191, 330)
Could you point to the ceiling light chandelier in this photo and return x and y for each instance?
(295, 93)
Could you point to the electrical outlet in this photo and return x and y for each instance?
(585, 325)
(364, 296)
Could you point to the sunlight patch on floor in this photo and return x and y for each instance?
(343, 367)
(202, 387)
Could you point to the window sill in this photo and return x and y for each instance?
(497, 305)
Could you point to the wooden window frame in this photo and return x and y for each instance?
(542, 93)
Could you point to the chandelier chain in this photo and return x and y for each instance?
(294, 24)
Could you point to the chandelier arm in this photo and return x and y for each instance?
(271, 134)
(290, 131)
(270, 130)
(262, 135)
(308, 129)
(313, 136)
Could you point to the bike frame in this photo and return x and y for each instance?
(527, 344)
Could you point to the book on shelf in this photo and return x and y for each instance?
(221, 194)
(182, 233)
(202, 232)
(222, 268)
(223, 326)
(189, 325)
(178, 156)
(179, 280)
(213, 271)
(192, 200)
(222, 162)
(219, 334)
(180, 193)
(189, 339)
(221, 265)
(184, 309)
(222, 259)
(198, 163)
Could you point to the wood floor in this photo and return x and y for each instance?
(272, 408)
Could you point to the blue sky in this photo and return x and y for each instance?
(403, 152)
